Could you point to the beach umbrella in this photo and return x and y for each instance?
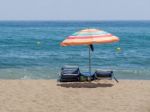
(89, 37)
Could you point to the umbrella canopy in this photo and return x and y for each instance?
(89, 37)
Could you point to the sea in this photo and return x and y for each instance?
(31, 49)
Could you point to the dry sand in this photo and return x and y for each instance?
(101, 96)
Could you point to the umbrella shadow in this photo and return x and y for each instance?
(84, 85)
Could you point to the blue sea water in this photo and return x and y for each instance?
(31, 50)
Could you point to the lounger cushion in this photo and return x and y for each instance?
(101, 73)
(70, 70)
(70, 75)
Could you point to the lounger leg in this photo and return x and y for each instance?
(116, 79)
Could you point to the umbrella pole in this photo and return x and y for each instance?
(89, 60)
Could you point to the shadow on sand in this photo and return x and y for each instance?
(84, 85)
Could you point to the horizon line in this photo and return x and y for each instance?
(74, 20)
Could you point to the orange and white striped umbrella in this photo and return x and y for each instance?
(88, 37)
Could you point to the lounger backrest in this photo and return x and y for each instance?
(70, 70)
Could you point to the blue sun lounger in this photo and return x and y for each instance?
(69, 74)
(103, 74)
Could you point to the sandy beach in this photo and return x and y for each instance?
(48, 96)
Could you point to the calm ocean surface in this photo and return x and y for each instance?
(30, 50)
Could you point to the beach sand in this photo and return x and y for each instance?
(100, 96)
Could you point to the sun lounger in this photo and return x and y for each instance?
(101, 74)
(69, 74)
